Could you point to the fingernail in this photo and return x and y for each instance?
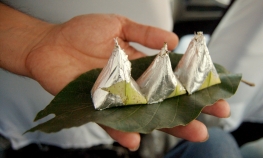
(207, 137)
(134, 149)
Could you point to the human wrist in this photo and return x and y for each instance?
(19, 33)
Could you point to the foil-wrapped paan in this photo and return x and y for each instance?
(158, 82)
(196, 70)
(115, 86)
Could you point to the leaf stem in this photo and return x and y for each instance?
(248, 83)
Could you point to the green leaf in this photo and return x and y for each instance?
(73, 105)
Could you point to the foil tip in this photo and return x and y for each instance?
(164, 50)
(116, 42)
(199, 33)
(199, 36)
(165, 45)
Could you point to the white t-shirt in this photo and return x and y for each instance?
(237, 44)
(21, 98)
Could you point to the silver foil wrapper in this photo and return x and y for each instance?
(196, 65)
(117, 70)
(158, 81)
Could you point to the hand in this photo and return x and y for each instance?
(86, 42)
(60, 53)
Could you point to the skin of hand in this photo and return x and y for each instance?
(54, 55)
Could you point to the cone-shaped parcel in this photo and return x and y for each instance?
(196, 70)
(158, 82)
(115, 86)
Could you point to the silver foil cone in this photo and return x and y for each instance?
(196, 68)
(158, 81)
(117, 73)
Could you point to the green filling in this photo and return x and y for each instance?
(210, 80)
(179, 90)
(133, 97)
(127, 93)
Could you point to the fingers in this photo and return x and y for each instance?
(135, 54)
(148, 36)
(219, 109)
(195, 131)
(130, 51)
(130, 140)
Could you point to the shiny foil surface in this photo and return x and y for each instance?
(117, 69)
(158, 81)
(195, 64)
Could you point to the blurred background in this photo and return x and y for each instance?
(196, 15)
